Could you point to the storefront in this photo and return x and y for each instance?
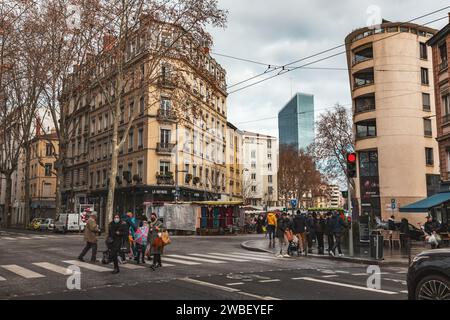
(438, 206)
(218, 217)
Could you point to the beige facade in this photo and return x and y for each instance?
(234, 163)
(391, 79)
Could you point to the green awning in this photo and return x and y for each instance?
(428, 203)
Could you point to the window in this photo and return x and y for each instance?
(253, 165)
(269, 166)
(253, 176)
(368, 164)
(443, 59)
(364, 78)
(253, 188)
(130, 167)
(93, 126)
(446, 108)
(426, 103)
(131, 110)
(429, 158)
(98, 177)
(423, 51)
(91, 179)
(404, 29)
(270, 190)
(269, 156)
(165, 104)
(365, 103)
(141, 105)
(424, 76)
(253, 154)
(269, 144)
(366, 129)
(428, 131)
(392, 29)
(363, 55)
(270, 179)
(165, 137)
(100, 123)
(48, 149)
(130, 140)
(104, 177)
(140, 137)
(48, 169)
(140, 169)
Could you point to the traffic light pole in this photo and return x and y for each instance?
(350, 230)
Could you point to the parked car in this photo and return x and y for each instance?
(35, 224)
(47, 225)
(429, 276)
(69, 222)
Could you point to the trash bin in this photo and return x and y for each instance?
(376, 246)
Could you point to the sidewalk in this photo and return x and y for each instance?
(392, 257)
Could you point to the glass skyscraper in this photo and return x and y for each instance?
(296, 122)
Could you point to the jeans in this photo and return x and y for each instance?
(282, 243)
(320, 244)
(157, 260)
(140, 250)
(310, 236)
(271, 231)
(114, 255)
(330, 242)
(337, 244)
(301, 241)
(88, 246)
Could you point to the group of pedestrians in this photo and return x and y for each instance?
(128, 237)
(302, 230)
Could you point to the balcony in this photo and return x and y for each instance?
(362, 55)
(165, 148)
(166, 82)
(166, 115)
(443, 65)
(363, 78)
(165, 179)
(365, 104)
(446, 118)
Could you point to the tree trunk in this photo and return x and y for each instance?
(7, 211)
(59, 179)
(112, 178)
(27, 184)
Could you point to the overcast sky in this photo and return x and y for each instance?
(282, 31)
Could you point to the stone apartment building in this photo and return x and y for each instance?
(169, 154)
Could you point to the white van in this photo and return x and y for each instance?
(69, 222)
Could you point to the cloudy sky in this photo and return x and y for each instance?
(279, 32)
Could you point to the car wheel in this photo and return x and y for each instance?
(433, 287)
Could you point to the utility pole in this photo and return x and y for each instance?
(350, 231)
(176, 164)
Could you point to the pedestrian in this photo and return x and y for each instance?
(299, 229)
(282, 226)
(115, 240)
(271, 227)
(329, 231)
(154, 240)
(391, 223)
(338, 225)
(133, 226)
(91, 232)
(310, 231)
(141, 241)
(320, 231)
(125, 246)
(404, 232)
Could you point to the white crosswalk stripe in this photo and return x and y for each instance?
(257, 255)
(218, 257)
(23, 272)
(131, 266)
(54, 268)
(7, 238)
(88, 266)
(189, 263)
(240, 256)
(2, 279)
(23, 238)
(195, 259)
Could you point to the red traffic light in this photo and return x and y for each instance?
(351, 157)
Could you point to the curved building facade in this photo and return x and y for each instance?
(391, 81)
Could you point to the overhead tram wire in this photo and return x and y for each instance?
(284, 70)
(271, 68)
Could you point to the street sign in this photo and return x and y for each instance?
(393, 204)
(294, 203)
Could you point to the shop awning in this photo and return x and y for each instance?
(219, 203)
(428, 203)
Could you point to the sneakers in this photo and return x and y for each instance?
(279, 256)
(341, 254)
(286, 256)
(332, 253)
(116, 271)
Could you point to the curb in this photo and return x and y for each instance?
(246, 246)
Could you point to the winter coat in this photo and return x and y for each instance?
(404, 227)
(91, 231)
(116, 232)
(329, 226)
(282, 225)
(299, 224)
(153, 230)
(432, 226)
(320, 225)
(311, 226)
(338, 225)
(391, 224)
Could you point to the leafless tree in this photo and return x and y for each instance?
(334, 139)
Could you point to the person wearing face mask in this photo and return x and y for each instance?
(154, 240)
(115, 237)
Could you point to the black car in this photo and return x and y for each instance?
(429, 276)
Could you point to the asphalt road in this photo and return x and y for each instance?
(34, 266)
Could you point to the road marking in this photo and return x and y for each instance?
(211, 285)
(396, 280)
(235, 284)
(23, 238)
(88, 266)
(39, 237)
(25, 273)
(189, 263)
(2, 279)
(402, 272)
(195, 259)
(251, 254)
(217, 257)
(346, 285)
(330, 276)
(8, 238)
(257, 297)
(343, 272)
(404, 291)
(238, 256)
(130, 266)
(270, 280)
(54, 268)
(360, 274)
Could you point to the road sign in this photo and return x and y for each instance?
(393, 204)
(294, 203)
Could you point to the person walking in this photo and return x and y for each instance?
(115, 240)
(91, 232)
(282, 226)
(320, 230)
(156, 227)
(141, 241)
(338, 225)
(391, 224)
(310, 231)
(299, 229)
(125, 246)
(271, 227)
(329, 231)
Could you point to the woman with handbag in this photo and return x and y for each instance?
(115, 239)
(155, 241)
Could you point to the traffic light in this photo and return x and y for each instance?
(351, 165)
(345, 194)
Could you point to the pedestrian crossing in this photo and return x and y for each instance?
(43, 269)
(11, 236)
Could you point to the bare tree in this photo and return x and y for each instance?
(334, 139)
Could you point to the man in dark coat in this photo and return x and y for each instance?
(310, 231)
(339, 226)
(115, 239)
(299, 229)
(391, 224)
(282, 224)
(329, 231)
(320, 230)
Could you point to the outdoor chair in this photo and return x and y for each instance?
(386, 236)
(396, 238)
